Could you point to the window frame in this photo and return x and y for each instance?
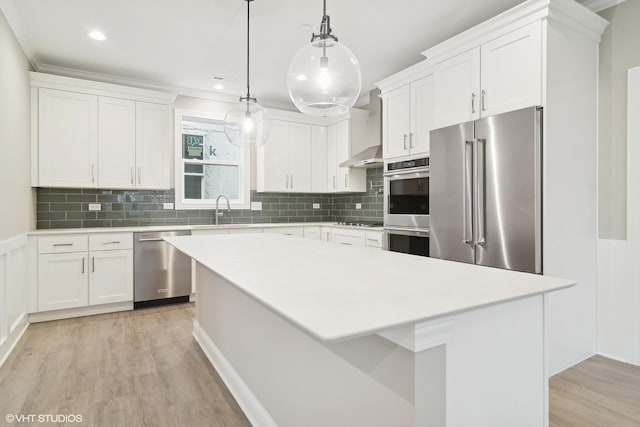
(244, 167)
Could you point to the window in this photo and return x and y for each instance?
(208, 164)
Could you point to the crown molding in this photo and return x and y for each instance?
(13, 19)
(598, 5)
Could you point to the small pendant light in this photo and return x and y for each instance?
(324, 76)
(247, 122)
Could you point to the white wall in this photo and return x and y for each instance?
(17, 211)
(618, 52)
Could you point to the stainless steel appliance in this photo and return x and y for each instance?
(486, 191)
(406, 240)
(161, 272)
(406, 190)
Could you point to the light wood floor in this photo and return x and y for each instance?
(136, 368)
(597, 392)
(143, 368)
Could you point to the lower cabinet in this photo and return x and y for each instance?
(348, 237)
(288, 231)
(111, 277)
(63, 281)
(82, 270)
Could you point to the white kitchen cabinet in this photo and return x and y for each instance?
(346, 179)
(63, 281)
(332, 155)
(111, 276)
(345, 236)
(83, 138)
(300, 157)
(511, 71)
(408, 118)
(504, 74)
(68, 138)
(284, 162)
(319, 155)
(457, 89)
(116, 142)
(314, 233)
(287, 231)
(373, 239)
(153, 146)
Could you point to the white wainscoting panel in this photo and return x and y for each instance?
(13, 293)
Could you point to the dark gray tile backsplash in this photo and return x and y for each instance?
(69, 208)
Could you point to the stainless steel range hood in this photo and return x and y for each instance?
(370, 157)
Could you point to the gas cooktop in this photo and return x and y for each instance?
(360, 223)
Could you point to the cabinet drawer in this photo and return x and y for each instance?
(373, 239)
(63, 244)
(110, 241)
(348, 237)
(289, 231)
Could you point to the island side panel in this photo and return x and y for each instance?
(297, 379)
(496, 374)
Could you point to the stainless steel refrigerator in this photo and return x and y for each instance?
(485, 190)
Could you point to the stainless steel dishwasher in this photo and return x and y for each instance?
(162, 274)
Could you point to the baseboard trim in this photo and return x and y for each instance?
(616, 358)
(249, 403)
(46, 316)
(7, 346)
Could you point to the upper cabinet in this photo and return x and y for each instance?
(501, 75)
(306, 158)
(84, 139)
(284, 162)
(408, 118)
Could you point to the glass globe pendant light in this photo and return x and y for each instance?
(324, 76)
(247, 122)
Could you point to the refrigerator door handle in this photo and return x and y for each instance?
(467, 217)
(480, 190)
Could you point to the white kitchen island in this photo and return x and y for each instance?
(307, 333)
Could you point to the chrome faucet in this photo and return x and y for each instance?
(218, 215)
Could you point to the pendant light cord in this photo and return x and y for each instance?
(248, 23)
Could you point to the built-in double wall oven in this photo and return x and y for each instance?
(406, 206)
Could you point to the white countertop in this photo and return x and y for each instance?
(190, 227)
(336, 292)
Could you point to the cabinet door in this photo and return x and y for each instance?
(287, 231)
(299, 157)
(67, 139)
(319, 166)
(457, 89)
(342, 154)
(349, 237)
(111, 277)
(62, 281)
(511, 71)
(396, 127)
(422, 107)
(153, 146)
(332, 155)
(116, 142)
(273, 159)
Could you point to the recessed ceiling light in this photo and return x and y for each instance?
(218, 87)
(97, 35)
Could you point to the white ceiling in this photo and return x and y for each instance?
(181, 44)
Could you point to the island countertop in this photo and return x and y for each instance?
(337, 292)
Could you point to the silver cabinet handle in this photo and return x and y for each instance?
(410, 139)
(62, 244)
(132, 173)
(292, 181)
(151, 239)
(372, 240)
(115, 242)
(93, 174)
(467, 172)
(82, 265)
(139, 175)
(346, 180)
(93, 264)
(483, 95)
(286, 177)
(473, 103)
(404, 143)
(334, 181)
(347, 244)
